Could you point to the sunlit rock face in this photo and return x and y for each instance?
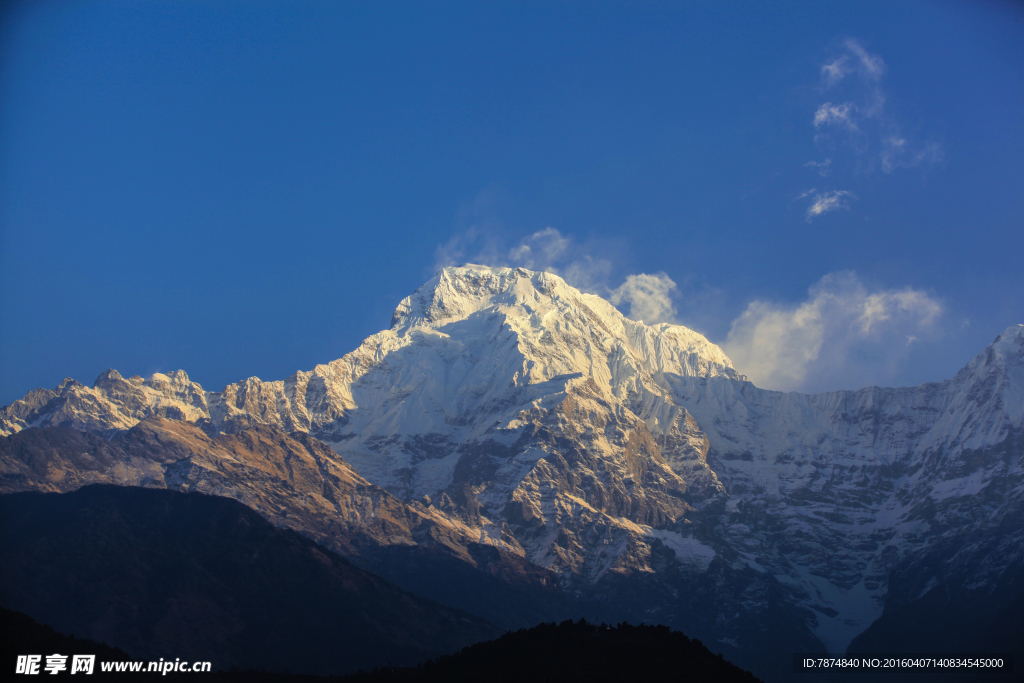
(293, 479)
(539, 419)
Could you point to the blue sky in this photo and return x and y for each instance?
(833, 191)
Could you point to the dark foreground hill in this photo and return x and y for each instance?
(576, 652)
(20, 634)
(565, 652)
(165, 574)
(949, 617)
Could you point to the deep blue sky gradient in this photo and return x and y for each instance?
(248, 188)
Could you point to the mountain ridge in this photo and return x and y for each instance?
(601, 448)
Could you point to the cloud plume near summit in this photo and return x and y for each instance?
(840, 332)
(642, 296)
(843, 335)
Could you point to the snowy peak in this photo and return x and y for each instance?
(998, 369)
(986, 398)
(545, 312)
(1006, 350)
(112, 404)
(457, 293)
(460, 292)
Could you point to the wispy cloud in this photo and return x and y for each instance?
(478, 235)
(854, 59)
(649, 298)
(852, 124)
(861, 124)
(871, 66)
(541, 250)
(640, 296)
(835, 71)
(823, 167)
(841, 334)
(835, 115)
(824, 202)
(897, 154)
(882, 307)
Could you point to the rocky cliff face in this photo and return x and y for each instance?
(295, 482)
(292, 479)
(539, 420)
(833, 492)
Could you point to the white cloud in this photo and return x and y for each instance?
(641, 296)
(835, 115)
(775, 346)
(874, 103)
(541, 250)
(882, 307)
(588, 273)
(827, 201)
(860, 124)
(897, 154)
(550, 251)
(823, 167)
(841, 335)
(478, 240)
(871, 66)
(649, 297)
(474, 239)
(546, 250)
(834, 72)
(856, 58)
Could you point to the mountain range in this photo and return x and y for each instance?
(558, 456)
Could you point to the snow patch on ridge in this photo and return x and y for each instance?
(689, 551)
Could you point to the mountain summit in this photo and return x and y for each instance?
(635, 463)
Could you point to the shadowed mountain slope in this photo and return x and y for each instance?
(20, 634)
(165, 574)
(577, 652)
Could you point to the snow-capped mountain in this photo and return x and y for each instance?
(604, 449)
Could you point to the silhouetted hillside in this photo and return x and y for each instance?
(20, 634)
(165, 574)
(946, 619)
(564, 652)
(577, 651)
